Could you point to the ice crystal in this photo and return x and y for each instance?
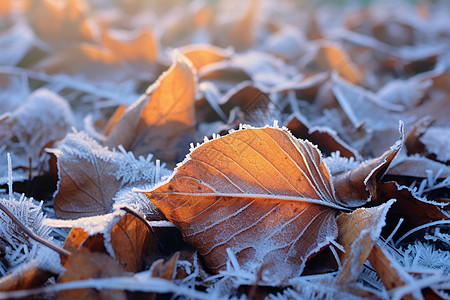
(338, 164)
(43, 117)
(425, 256)
(16, 246)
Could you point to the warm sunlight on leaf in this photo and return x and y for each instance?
(259, 192)
(242, 35)
(132, 46)
(58, 21)
(114, 119)
(203, 55)
(162, 119)
(336, 59)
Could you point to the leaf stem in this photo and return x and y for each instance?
(32, 235)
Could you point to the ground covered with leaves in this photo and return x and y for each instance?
(224, 149)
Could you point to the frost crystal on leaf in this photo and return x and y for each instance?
(43, 118)
(123, 169)
(338, 164)
(16, 246)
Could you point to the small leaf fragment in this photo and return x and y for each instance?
(128, 239)
(355, 186)
(358, 231)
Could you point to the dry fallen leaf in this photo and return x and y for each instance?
(242, 35)
(260, 193)
(30, 276)
(58, 22)
(86, 265)
(333, 57)
(355, 186)
(87, 183)
(132, 46)
(415, 210)
(128, 239)
(78, 239)
(161, 121)
(389, 270)
(203, 55)
(326, 139)
(358, 231)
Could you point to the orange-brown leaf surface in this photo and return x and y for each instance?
(142, 45)
(86, 265)
(389, 271)
(260, 193)
(203, 55)
(57, 22)
(355, 186)
(334, 57)
(161, 121)
(358, 231)
(128, 239)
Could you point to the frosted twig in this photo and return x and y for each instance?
(143, 283)
(32, 235)
(441, 222)
(394, 231)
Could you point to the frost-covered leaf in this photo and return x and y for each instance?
(87, 180)
(358, 231)
(437, 142)
(260, 193)
(325, 138)
(414, 209)
(91, 175)
(355, 186)
(240, 32)
(162, 119)
(405, 92)
(363, 108)
(43, 118)
(419, 166)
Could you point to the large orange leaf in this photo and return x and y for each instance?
(261, 193)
